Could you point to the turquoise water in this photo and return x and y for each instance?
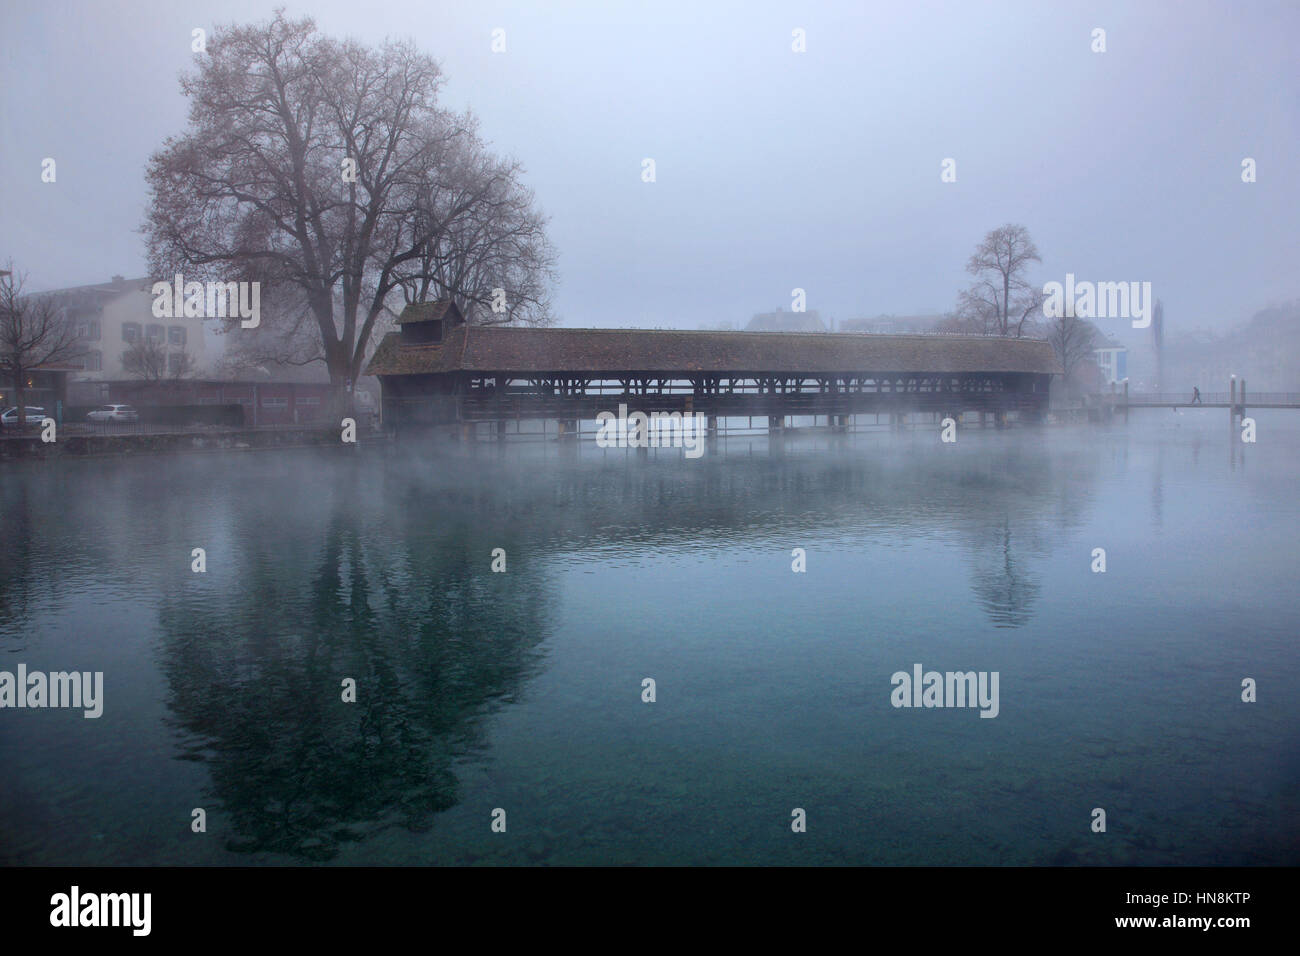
(522, 690)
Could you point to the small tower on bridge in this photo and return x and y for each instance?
(427, 323)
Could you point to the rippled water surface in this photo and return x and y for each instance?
(523, 690)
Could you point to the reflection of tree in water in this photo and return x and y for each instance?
(17, 582)
(256, 681)
(1013, 506)
(382, 575)
(1004, 584)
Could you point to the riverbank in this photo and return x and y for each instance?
(132, 443)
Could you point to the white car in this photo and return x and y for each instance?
(35, 415)
(113, 413)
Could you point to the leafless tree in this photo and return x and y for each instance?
(1073, 339)
(149, 360)
(1001, 301)
(326, 169)
(34, 332)
(288, 337)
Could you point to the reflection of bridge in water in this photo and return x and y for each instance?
(438, 370)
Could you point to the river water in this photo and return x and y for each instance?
(522, 691)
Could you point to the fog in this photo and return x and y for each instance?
(775, 170)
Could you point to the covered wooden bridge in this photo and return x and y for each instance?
(438, 370)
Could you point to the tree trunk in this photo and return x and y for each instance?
(20, 393)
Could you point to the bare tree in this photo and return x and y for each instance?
(1073, 339)
(288, 339)
(479, 240)
(148, 359)
(325, 170)
(34, 332)
(1001, 300)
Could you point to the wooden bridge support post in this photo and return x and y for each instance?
(1242, 400)
(1232, 403)
(1125, 401)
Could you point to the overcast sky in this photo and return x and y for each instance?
(775, 169)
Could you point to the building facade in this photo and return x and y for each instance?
(1112, 360)
(113, 316)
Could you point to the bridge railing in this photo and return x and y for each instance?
(587, 407)
(1169, 398)
(1208, 398)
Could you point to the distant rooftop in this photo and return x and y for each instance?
(891, 323)
(781, 321)
(114, 286)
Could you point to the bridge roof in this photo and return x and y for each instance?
(491, 349)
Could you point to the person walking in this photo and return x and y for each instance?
(1196, 396)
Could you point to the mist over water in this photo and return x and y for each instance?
(522, 690)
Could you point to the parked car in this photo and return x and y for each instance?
(35, 415)
(113, 413)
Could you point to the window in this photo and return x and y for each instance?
(314, 400)
(155, 332)
(175, 363)
(175, 335)
(131, 332)
(275, 403)
(88, 329)
(94, 361)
